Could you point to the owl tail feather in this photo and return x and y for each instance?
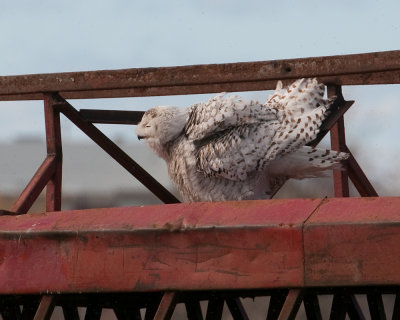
(308, 162)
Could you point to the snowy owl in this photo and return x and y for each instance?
(230, 149)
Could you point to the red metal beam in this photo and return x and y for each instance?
(386, 77)
(368, 68)
(204, 246)
(353, 241)
(248, 244)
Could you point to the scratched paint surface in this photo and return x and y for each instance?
(172, 216)
(249, 244)
(353, 241)
(357, 210)
(231, 245)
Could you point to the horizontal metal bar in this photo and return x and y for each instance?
(283, 243)
(111, 116)
(388, 77)
(367, 68)
(209, 245)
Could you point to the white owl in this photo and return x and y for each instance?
(230, 149)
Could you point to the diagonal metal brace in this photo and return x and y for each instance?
(113, 150)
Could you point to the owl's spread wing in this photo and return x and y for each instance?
(235, 139)
(237, 152)
(223, 112)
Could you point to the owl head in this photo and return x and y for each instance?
(161, 125)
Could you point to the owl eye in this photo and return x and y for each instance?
(148, 126)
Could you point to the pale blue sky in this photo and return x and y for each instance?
(57, 36)
(54, 36)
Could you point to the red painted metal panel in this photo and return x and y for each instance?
(353, 241)
(231, 245)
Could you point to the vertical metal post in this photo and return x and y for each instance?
(338, 142)
(54, 148)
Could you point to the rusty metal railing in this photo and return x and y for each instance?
(55, 89)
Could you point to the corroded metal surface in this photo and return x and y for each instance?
(207, 246)
(248, 244)
(353, 241)
(368, 68)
